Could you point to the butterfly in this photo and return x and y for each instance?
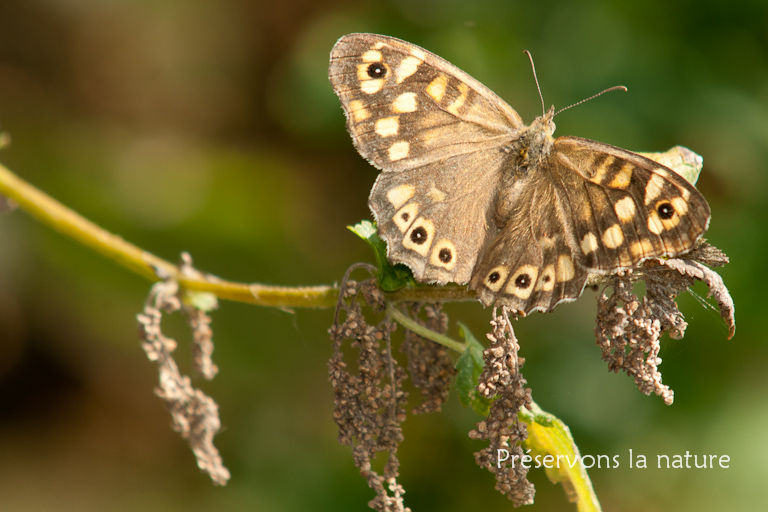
(468, 193)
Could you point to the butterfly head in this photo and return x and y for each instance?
(537, 141)
(545, 124)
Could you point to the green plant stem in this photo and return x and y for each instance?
(422, 331)
(73, 225)
(54, 214)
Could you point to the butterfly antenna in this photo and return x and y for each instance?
(533, 68)
(614, 88)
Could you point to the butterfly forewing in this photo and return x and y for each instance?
(407, 107)
(531, 264)
(626, 208)
(468, 193)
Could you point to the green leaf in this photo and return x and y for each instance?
(548, 436)
(391, 277)
(682, 160)
(469, 367)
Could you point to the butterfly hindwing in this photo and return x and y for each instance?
(411, 208)
(531, 264)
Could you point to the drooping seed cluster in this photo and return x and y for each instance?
(502, 381)
(429, 365)
(629, 329)
(368, 405)
(195, 415)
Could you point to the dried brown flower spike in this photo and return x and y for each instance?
(502, 381)
(195, 414)
(628, 328)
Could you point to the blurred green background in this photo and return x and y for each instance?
(210, 126)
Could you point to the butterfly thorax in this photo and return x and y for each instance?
(535, 143)
(527, 154)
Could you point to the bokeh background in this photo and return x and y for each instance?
(210, 126)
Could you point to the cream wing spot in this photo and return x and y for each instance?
(625, 209)
(405, 216)
(623, 177)
(362, 73)
(565, 270)
(654, 223)
(613, 237)
(372, 86)
(436, 194)
(641, 249)
(495, 278)
(600, 172)
(419, 236)
(371, 56)
(436, 88)
(387, 127)
(546, 280)
(405, 103)
(680, 205)
(407, 67)
(444, 255)
(418, 54)
(589, 243)
(671, 223)
(358, 111)
(454, 107)
(653, 188)
(399, 150)
(521, 283)
(546, 242)
(585, 211)
(398, 196)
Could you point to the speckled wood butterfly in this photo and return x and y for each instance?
(469, 194)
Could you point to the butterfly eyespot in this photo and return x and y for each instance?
(523, 281)
(376, 70)
(419, 235)
(442, 254)
(405, 216)
(666, 211)
(493, 277)
(546, 278)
